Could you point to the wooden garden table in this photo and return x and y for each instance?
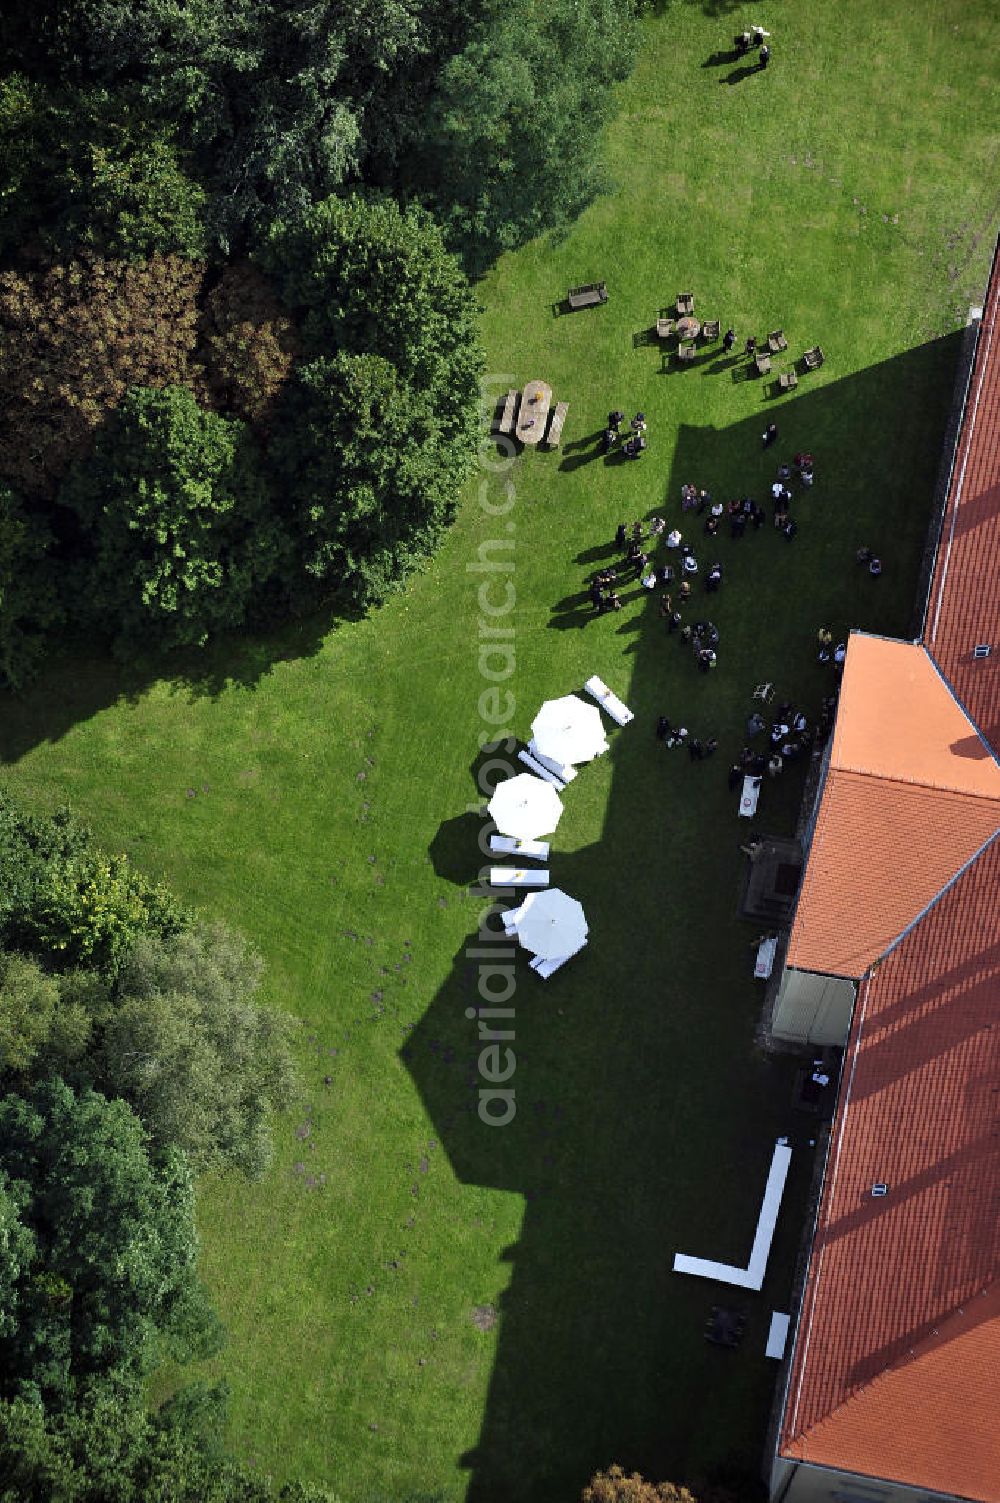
(536, 399)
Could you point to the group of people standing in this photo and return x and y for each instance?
(745, 41)
(631, 446)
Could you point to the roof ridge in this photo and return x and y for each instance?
(995, 755)
(919, 782)
(919, 918)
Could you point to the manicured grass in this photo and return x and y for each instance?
(313, 788)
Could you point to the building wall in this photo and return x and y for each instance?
(813, 1009)
(798, 1482)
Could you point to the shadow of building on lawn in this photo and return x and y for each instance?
(645, 1117)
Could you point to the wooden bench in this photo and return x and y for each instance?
(506, 423)
(813, 359)
(589, 296)
(763, 363)
(686, 350)
(556, 425)
(777, 342)
(685, 302)
(788, 381)
(665, 327)
(710, 329)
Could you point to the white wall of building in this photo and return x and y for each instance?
(813, 1009)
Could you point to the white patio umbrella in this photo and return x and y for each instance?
(552, 924)
(567, 730)
(525, 807)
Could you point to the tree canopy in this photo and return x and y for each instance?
(175, 507)
(372, 442)
(200, 1062)
(102, 1267)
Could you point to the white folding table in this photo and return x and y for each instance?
(527, 850)
(598, 689)
(517, 876)
(749, 797)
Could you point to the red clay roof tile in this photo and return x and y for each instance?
(873, 1389)
(897, 1352)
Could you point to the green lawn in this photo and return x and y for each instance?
(313, 788)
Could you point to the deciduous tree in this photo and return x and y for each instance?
(111, 1274)
(174, 505)
(617, 1486)
(73, 339)
(188, 1045)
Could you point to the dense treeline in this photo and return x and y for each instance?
(186, 448)
(488, 115)
(238, 357)
(133, 1054)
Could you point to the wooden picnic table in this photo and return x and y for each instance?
(688, 328)
(536, 399)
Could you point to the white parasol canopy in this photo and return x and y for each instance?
(525, 807)
(568, 730)
(551, 924)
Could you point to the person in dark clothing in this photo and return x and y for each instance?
(614, 418)
(750, 348)
(609, 440)
(621, 536)
(863, 555)
(756, 724)
(662, 728)
(596, 597)
(765, 55)
(770, 434)
(758, 517)
(737, 526)
(695, 749)
(713, 578)
(735, 777)
(710, 746)
(675, 620)
(741, 41)
(711, 526)
(790, 528)
(728, 340)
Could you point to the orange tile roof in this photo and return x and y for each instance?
(897, 1352)
(911, 795)
(898, 1347)
(897, 718)
(964, 603)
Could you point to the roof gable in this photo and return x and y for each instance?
(897, 718)
(912, 794)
